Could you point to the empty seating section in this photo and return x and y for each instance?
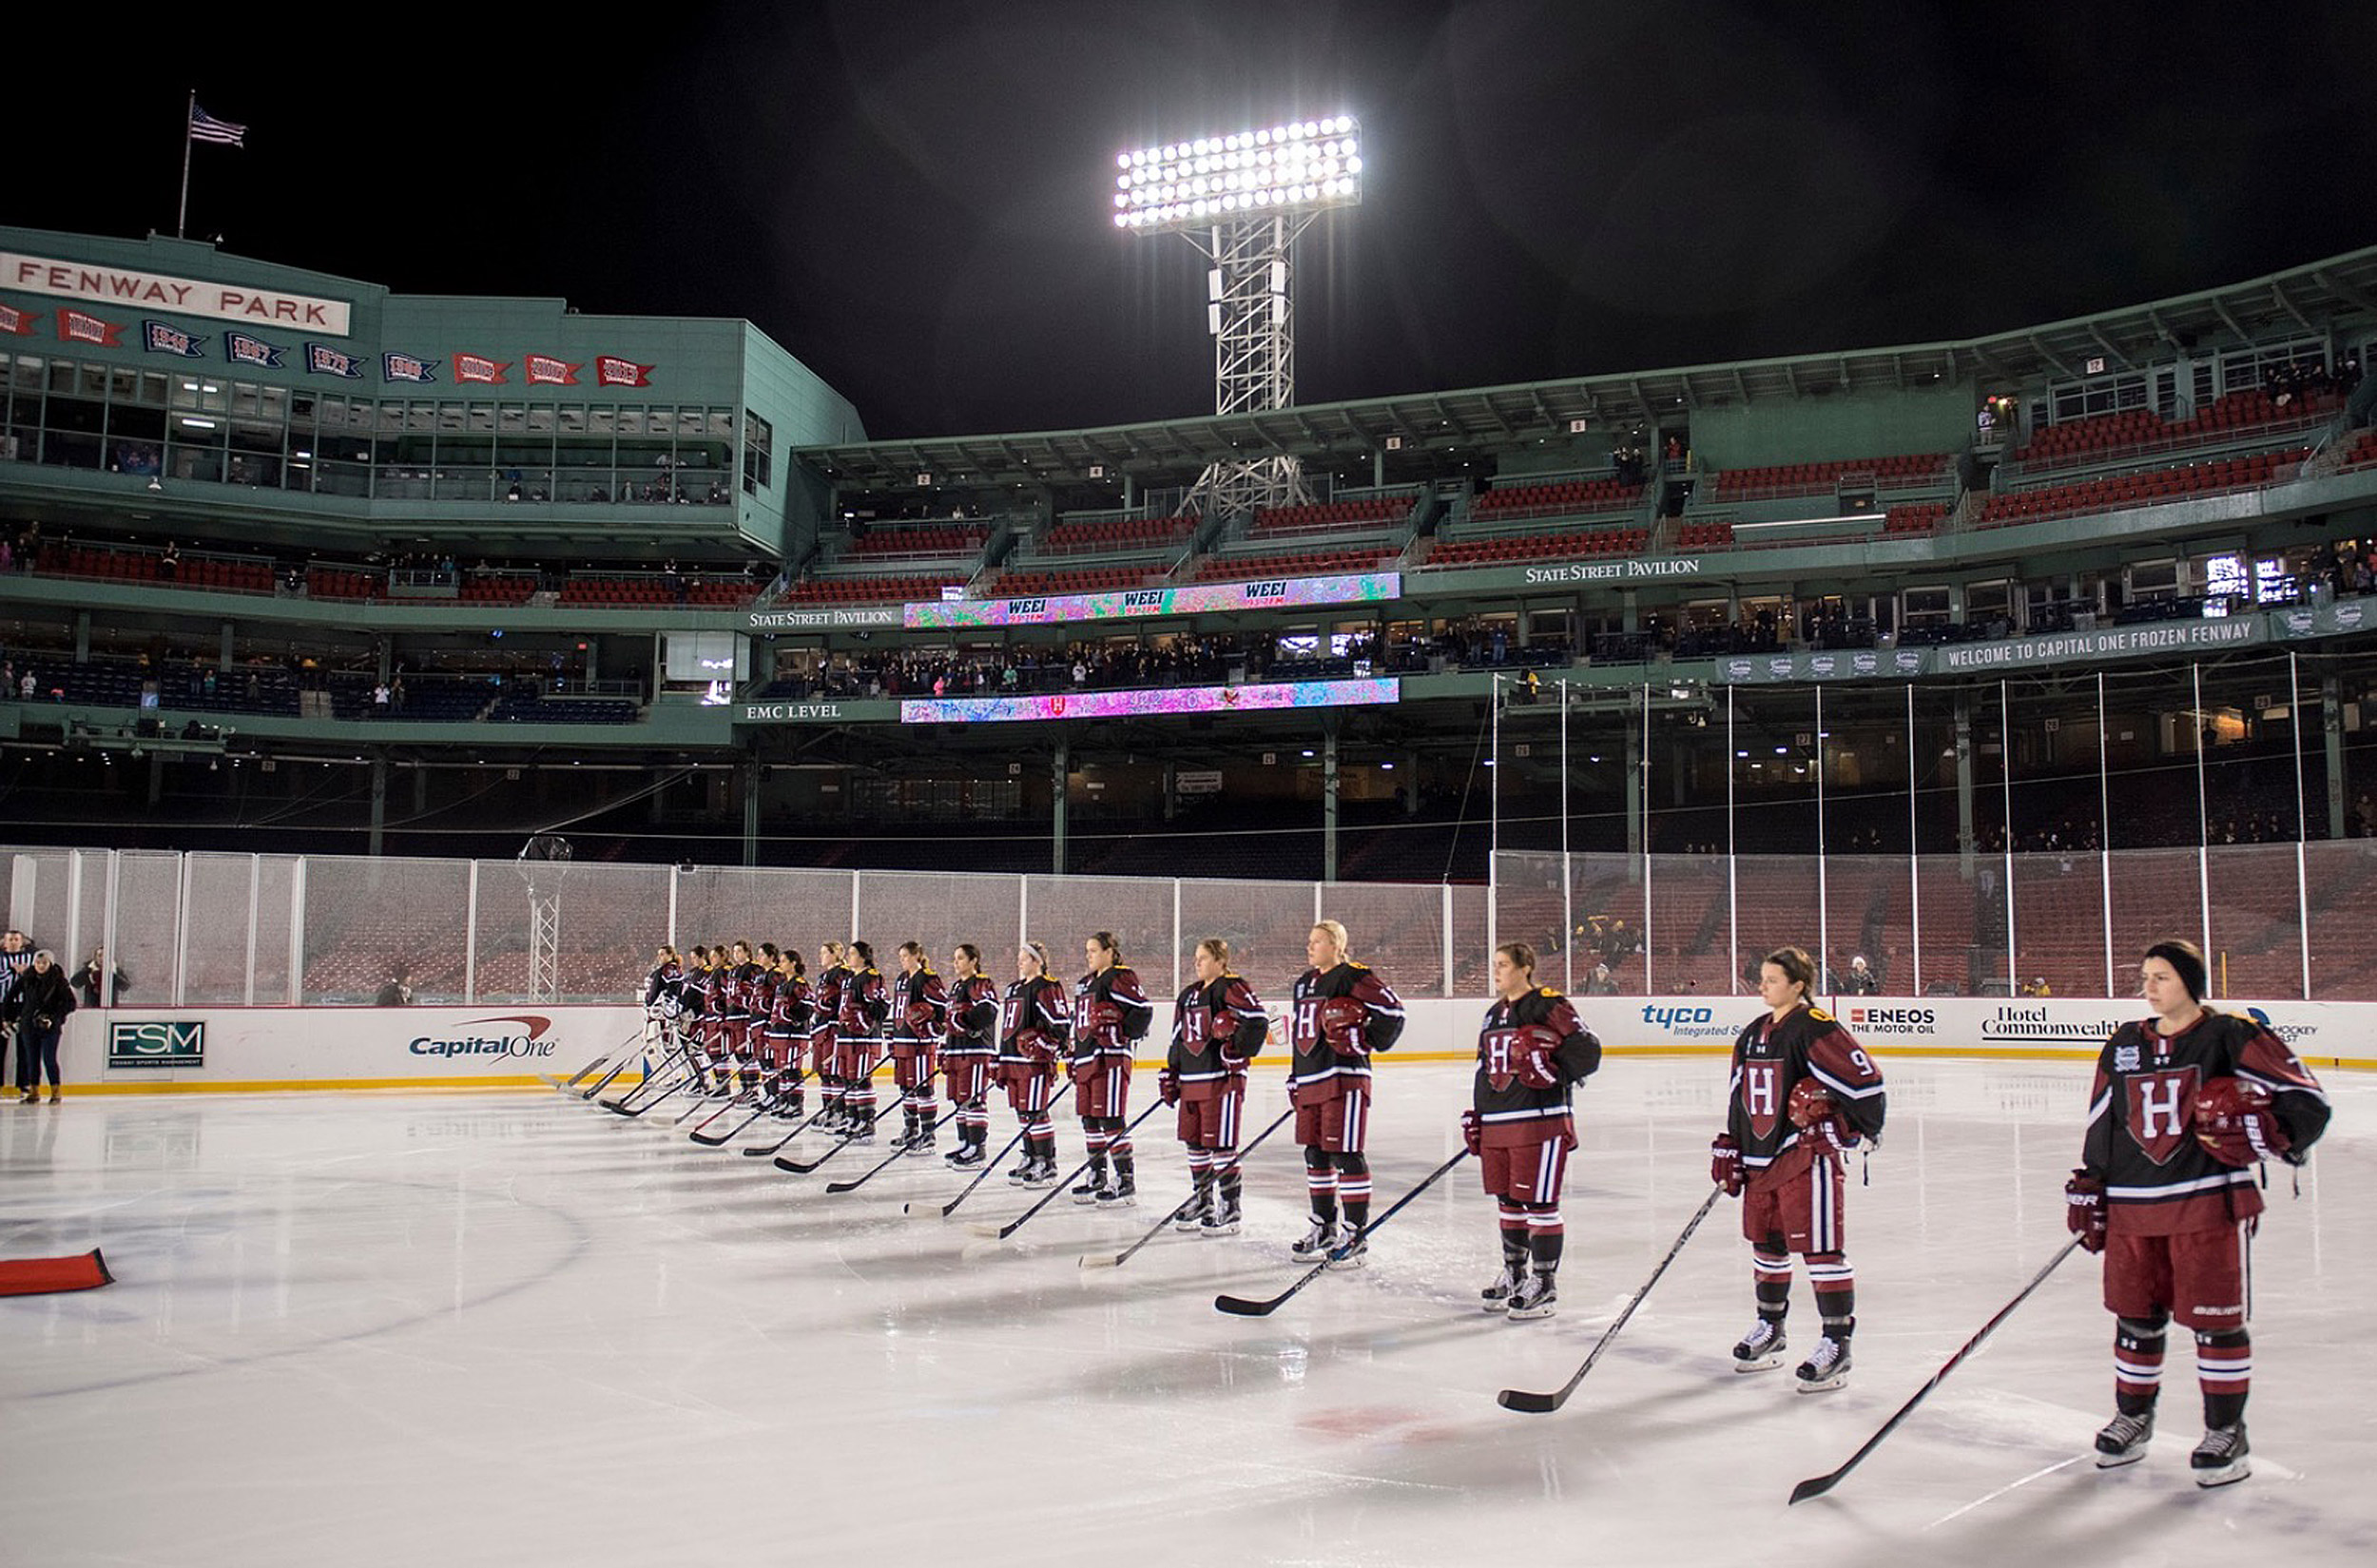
(2154, 488)
(1699, 538)
(1930, 469)
(494, 588)
(1585, 544)
(1096, 579)
(628, 591)
(951, 538)
(2362, 452)
(1320, 564)
(330, 582)
(1565, 498)
(870, 591)
(2107, 438)
(1373, 512)
(1115, 535)
(1912, 520)
(147, 567)
(1918, 518)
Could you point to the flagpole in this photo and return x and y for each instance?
(182, 219)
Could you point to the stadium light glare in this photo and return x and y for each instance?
(1298, 167)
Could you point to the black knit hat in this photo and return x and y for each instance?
(2187, 960)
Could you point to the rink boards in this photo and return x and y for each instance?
(287, 1048)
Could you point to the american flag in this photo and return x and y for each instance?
(205, 127)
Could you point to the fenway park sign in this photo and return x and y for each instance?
(130, 286)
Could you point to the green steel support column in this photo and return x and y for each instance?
(1328, 800)
(1965, 844)
(225, 659)
(2332, 729)
(379, 803)
(1633, 800)
(420, 791)
(1063, 768)
(749, 773)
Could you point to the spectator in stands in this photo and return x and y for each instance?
(1860, 981)
(102, 983)
(396, 990)
(1600, 982)
(2036, 986)
(170, 564)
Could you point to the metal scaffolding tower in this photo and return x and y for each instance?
(543, 864)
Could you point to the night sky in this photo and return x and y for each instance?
(912, 199)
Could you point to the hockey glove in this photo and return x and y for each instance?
(1725, 1165)
(1533, 1060)
(1473, 1131)
(2084, 1209)
(1168, 1085)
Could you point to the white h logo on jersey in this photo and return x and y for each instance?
(2153, 1109)
(1758, 1093)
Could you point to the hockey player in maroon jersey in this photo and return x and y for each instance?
(1034, 1021)
(709, 984)
(789, 1018)
(833, 978)
(1801, 1094)
(743, 1019)
(865, 1006)
(1532, 1051)
(920, 1015)
(1218, 1026)
(2185, 1106)
(969, 1052)
(1111, 1016)
(1340, 1013)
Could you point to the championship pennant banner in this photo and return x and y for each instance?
(1262, 698)
(1194, 599)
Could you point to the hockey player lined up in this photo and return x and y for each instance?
(919, 1014)
(865, 1005)
(1801, 1094)
(1532, 1051)
(833, 978)
(1111, 1014)
(661, 1001)
(788, 1017)
(969, 1052)
(744, 1022)
(2184, 1106)
(1341, 1014)
(708, 986)
(1218, 1026)
(1033, 1022)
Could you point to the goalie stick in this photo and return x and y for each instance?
(1115, 1260)
(689, 1073)
(1818, 1485)
(1240, 1307)
(1520, 1399)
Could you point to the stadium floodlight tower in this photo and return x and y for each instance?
(1242, 199)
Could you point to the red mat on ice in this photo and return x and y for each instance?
(46, 1276)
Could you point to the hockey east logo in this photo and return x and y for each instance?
(506, 1043)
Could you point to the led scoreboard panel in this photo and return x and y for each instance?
(1256, 697)
(1191, 599)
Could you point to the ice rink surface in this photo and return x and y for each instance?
(478, 1328)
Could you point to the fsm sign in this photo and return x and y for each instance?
(156, 1044)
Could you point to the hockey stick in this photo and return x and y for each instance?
(900, 1152)
(1240, 1307)
(1519, 1399)
(690, 1071)
(755, 1093)
(826, 1104)
(679, 1054)
(767, 1103)
(942, 1210)
(1115, 1260)
(798, 1168)
(1819, 1485)
(1001, 1232)
(564, 1085)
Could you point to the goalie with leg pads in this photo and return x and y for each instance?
(2183, 1106)
(1532, 1051)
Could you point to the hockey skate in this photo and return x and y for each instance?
(1534, 1298)
(1317, 1241)
(1089, 1186)
(2122, 1439)
(1827, 1366)
(1762, 1347)
(1042, 1174)
(1352, 1251)
(1122, 1193)
(920, 1144)
(2222, 1457)
(1497, 1296)
(1223, 1221)
(1021, 1175)
(967, 1156)
(1192, 1214)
